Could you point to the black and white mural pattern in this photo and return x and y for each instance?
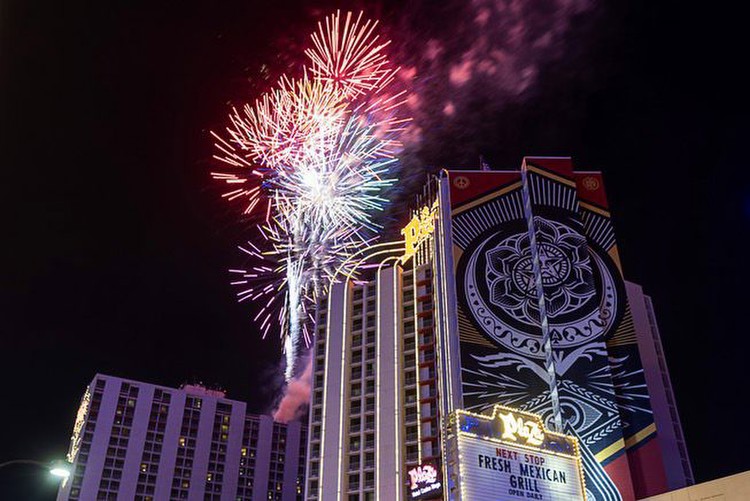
(502, 353)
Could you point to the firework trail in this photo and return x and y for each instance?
(312, 156)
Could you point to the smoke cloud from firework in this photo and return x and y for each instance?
(296, 396)
(487, 52)
(466, 64)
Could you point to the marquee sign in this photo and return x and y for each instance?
(424, 482)
(511, 455)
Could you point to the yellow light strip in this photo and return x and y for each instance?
(359, 253)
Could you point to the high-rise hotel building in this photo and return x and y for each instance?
(374, 407)
(506, 289)
(143, 442)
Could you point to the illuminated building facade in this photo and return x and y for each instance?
(666, 417)
(374, 401)
(523, 304)
(134, 440)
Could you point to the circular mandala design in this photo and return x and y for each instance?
(500, 288)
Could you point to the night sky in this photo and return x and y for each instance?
(115, 243)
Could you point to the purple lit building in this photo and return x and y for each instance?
(134, 440)
(678, 471)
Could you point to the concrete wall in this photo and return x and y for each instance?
(733, 488)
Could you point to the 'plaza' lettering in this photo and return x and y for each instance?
(514, 427)
(419, 228)
(426, 474)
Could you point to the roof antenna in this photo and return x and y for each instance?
(482, 164)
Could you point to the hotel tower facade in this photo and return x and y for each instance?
(144, 442)
(506, 289)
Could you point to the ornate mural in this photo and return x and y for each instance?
(502, 249)
(500, 289)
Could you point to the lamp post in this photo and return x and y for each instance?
(59, 469)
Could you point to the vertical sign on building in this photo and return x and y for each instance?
(424, 482)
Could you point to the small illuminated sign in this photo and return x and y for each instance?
(511, 455)
(424, 481)
(419, 228)
(517, 428)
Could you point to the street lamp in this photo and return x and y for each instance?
(58, 468)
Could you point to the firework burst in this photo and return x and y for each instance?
(349, 55)
(313, 156)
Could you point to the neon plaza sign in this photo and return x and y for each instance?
(420, 227)
(423, 480)
(516, 427)
(511, 455)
